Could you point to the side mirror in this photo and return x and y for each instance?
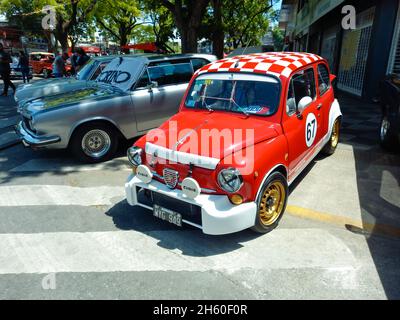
(332, 77)
(152, 85)
(303, 104)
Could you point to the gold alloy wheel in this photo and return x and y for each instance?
(272, 203)
(335, 134)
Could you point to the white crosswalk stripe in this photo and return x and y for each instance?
(68, 165)
(133, 251)
(47, 195)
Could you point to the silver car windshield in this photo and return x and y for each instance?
(242, 93)
(86, 71)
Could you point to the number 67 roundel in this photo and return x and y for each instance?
(311, 129)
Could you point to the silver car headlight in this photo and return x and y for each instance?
(230, 180)
(135, 156)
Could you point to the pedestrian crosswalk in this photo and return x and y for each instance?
(113, 242)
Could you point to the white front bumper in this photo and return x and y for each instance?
(219, 215)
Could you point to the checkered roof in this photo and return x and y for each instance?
(280, 64)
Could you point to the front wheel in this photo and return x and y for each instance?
(333, 142)
(46, 73)
(271, 203)
(93, 143)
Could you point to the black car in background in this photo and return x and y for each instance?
(389, 136)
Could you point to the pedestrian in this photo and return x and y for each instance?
(23, 64)
(83, 58)
(59, 65)
(74, 59)
(5, 70)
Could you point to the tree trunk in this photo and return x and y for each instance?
(191, 40)
(218, 33)
(63, 39)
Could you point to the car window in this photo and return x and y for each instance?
(301, 85)
(169, 74)
(324, 82)
(99, 70)
(245, 94)
(198, 63)
(144, 81)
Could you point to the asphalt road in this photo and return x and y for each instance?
(66, 232)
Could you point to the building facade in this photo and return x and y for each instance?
(360, 57)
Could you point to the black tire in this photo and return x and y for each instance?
(274, 178)
(387, 133)
(46, 73)
(332, 144)
(82, 133)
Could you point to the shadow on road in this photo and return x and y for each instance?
(378, 183)
(191, 241)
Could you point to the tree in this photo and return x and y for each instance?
(22, 14)
(246, 21)
(69, 14)
(119, 18)
(161, 21)
(188, 15)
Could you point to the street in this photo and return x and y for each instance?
(68, 224)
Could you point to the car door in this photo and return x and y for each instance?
(303, 131)
(154, 105)
(325, 95)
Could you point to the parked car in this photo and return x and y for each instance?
(389, 136)
(53, 86)
(131, 96)
(247, 127)
(42, 63)
(16, 71)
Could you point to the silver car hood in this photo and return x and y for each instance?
(66, 99)
(48, 88)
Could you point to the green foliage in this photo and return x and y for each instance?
(22, 14)
(118, 18)
(279, 37)
(161, 22)
(245, 21)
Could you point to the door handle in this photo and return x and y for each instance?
(319, 106)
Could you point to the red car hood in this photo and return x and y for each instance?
(215, 134)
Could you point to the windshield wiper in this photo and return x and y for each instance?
(204, 104)
(239, 107)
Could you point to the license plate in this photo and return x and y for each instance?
(167, 215)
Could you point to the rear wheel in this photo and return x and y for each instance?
(94, 142)
(271, 203)
(333, 142)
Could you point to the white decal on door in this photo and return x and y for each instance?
(311, 129)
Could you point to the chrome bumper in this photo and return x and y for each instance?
(31, 140)
(219, 216)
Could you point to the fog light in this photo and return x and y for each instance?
(236, 199)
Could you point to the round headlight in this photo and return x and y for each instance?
(135, 156)
(230, 180)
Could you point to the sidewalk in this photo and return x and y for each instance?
(9, 117)
(360, 122)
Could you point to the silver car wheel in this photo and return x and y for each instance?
(385, 125)
(96, 143)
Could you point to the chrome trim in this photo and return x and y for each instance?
(30, 139)
(182, 157)
(203, 190)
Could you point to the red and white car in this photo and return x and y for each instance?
(246, 128)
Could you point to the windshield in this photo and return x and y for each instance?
(85, 72)
(248, 94)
